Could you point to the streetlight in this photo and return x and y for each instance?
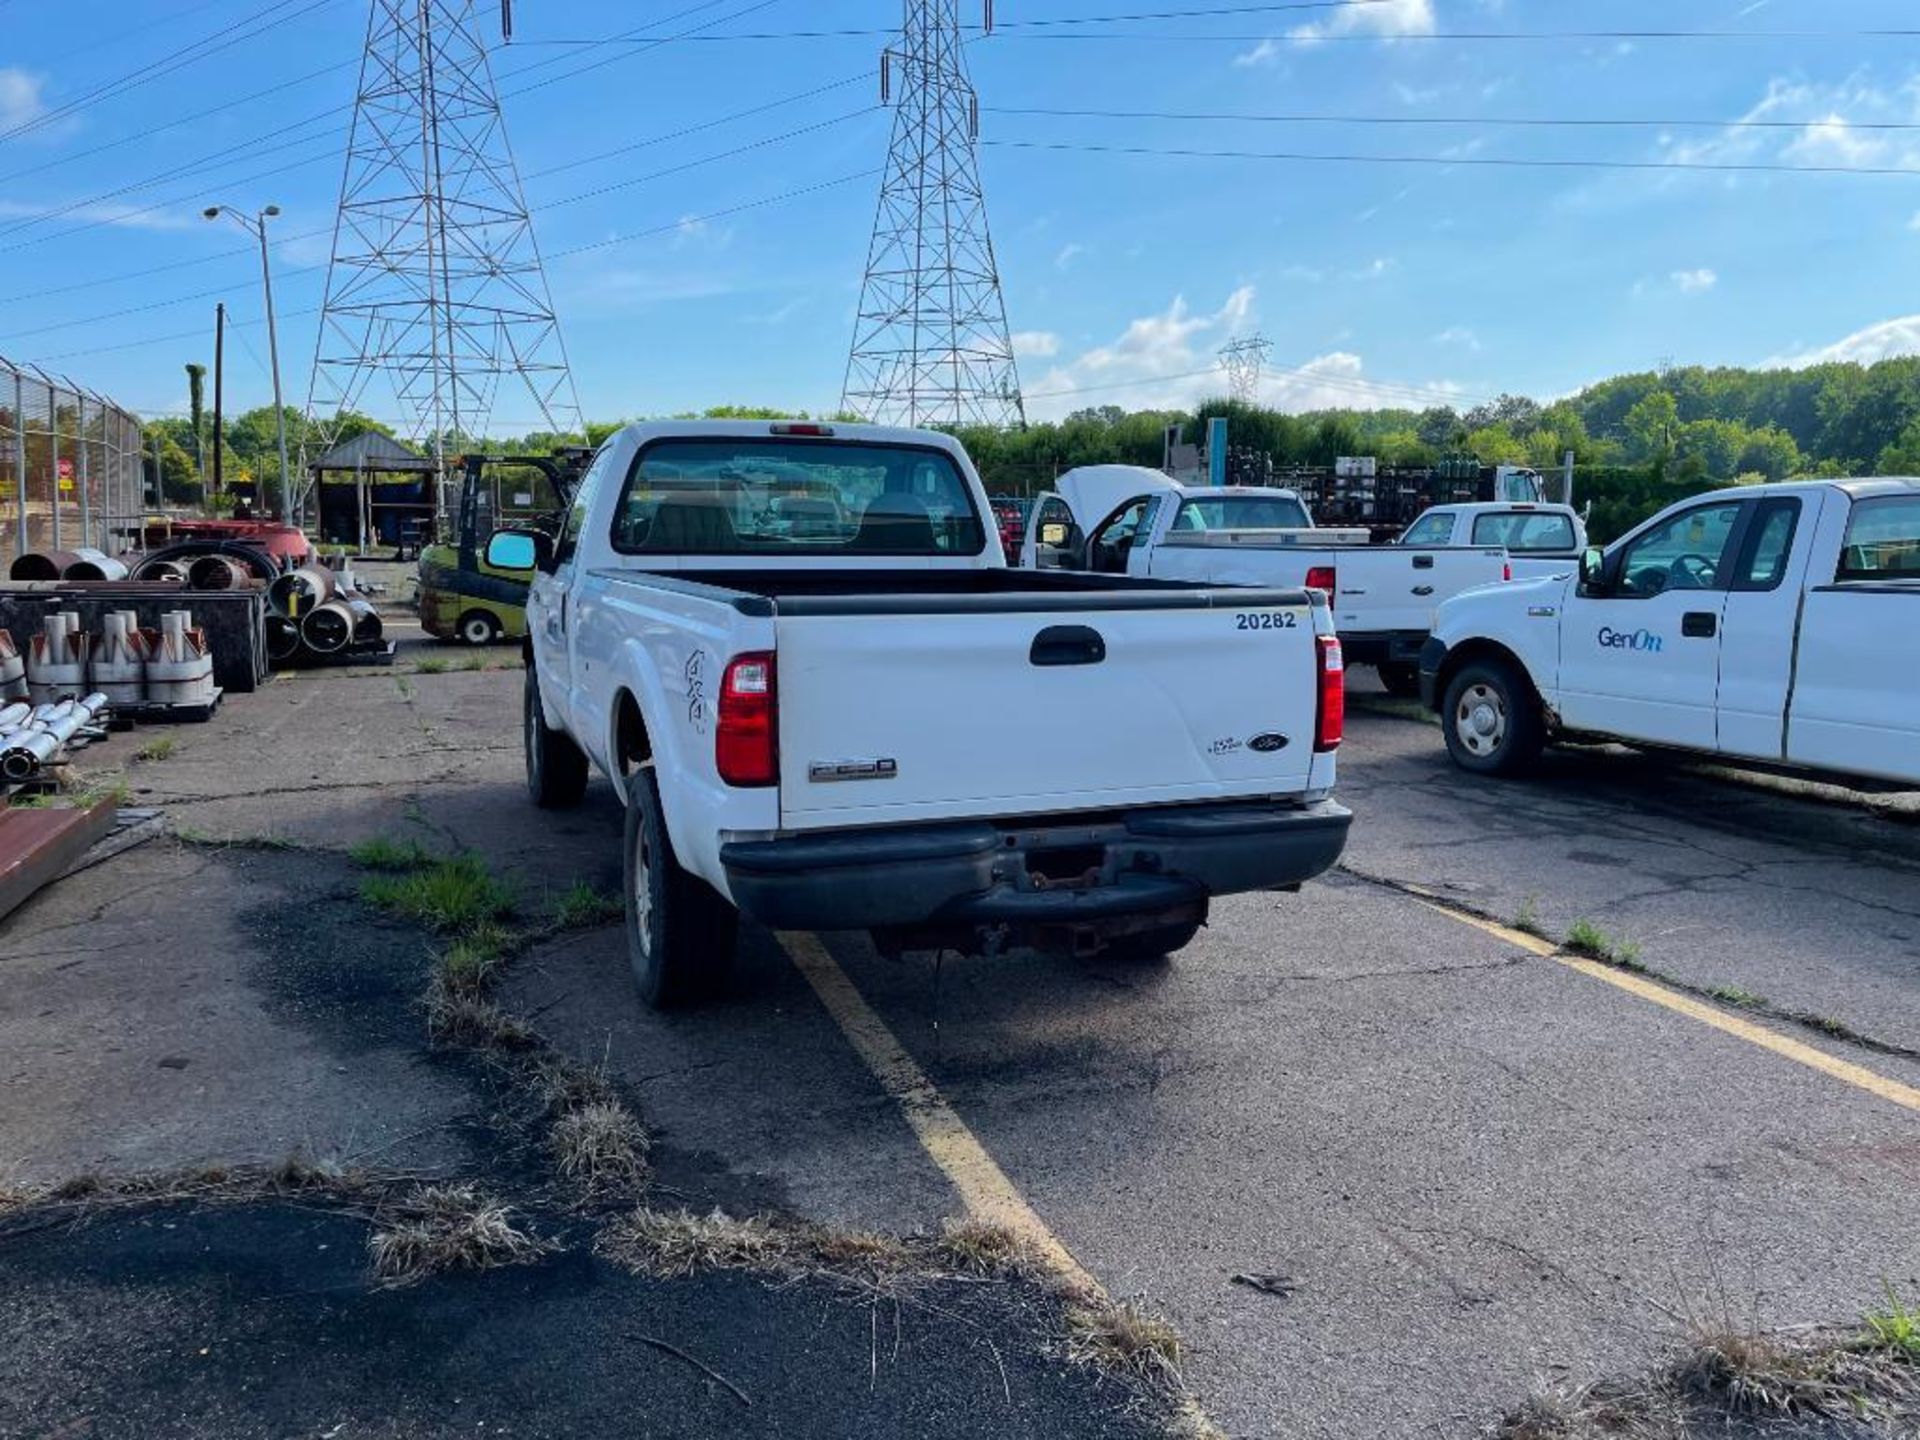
(257, 227)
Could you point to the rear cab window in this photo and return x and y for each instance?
(732, 496)
(1882, 540)
(1241, 512)
(1525, 532)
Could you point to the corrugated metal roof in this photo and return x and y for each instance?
(373, 451)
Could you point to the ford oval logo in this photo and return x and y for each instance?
(1268, 743)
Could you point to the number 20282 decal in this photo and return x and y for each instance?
(1267, 620)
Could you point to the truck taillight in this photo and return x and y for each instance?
(1322, 577)
(1330, 717)
(746, 747)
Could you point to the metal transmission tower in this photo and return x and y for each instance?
(930, 345)
(437, 306)
(1244, 359)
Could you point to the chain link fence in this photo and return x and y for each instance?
(73, 471)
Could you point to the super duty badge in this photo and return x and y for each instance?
(823, 772)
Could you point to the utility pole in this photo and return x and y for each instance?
(20, 456)
(257, 227)
(219, 387)
(930, 344)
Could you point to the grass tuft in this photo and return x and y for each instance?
(582, 907)
(1897, 1327)
(472, 662)
(393, 856)
(600, 1145)
(979, 1247)
(447, 895)
(454, 1019)
(449, 1227)
(430, 667)
(468, 965)
(1586, 938)
(1734, 995)
(1527, 922)
(1121, 1337)
(658, 1242)
(158, 748)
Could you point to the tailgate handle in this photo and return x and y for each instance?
(1068, 645)
(1423, 562)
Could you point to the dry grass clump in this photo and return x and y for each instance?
(1120, 1336)
(599, 1144)
(980, 1247)
(448, 1227)
(456, 1019)
(656, 1242)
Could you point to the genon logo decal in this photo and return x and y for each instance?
(1642, 640)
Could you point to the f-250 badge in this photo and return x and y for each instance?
(696, 673)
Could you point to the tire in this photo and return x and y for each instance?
(477, 627)
(1144, 947)
(680, 932)
(1492, 719)
(556, 767)
(1401, 679)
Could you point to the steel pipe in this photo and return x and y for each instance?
(216, 572)
(26, 753)
(299, 593)
(94, 565)
(42, 565)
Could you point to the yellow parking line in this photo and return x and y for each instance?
(984, 1187)
(1649, 989)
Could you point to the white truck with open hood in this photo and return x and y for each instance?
(798, 652)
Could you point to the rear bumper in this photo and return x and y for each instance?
(1377, 647)
(1049, 874)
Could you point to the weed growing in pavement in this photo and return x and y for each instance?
(468, 965)
(1586, 938)
(1897, 1327)
(582, 907)
(456, 1019)
(158, 748)
(1120, 1336)
(448, 896)
(449, 1227)
(979, 1247)
(599, 1144)
(1734, 995)
(430, 667)
(381, 853)
(406, 690)
(473, 662)
(1527, 922)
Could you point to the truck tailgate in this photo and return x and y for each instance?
(955, 711)
(1390, 587)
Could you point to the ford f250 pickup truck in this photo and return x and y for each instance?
(1775, 626)
(1539, 538)
(1127, 520)
(799, 653)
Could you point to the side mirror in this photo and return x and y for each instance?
(1593, 569)
(1054, 534)
(519, 550)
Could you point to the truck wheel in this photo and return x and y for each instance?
(680, 932)
(556, 767)
(1143, 947)
(1492, 719)
(477, 627)
(1401, 678)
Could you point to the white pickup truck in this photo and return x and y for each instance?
(1776, 626)
(798, 652)
(1128, 520)
(1539, 538)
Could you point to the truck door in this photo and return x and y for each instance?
(1756, 629)
(1641, 659)
(549, 615)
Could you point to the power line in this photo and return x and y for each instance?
(1012, 31)
(1497, 162)
(1496, 121)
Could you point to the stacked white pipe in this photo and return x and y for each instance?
(180, 670)
(32, 736)
(57, 659)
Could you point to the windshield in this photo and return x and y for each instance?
(798, 497)
(1243, 512)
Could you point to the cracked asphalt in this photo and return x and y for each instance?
(1477, 1168)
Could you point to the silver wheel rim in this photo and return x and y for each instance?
(1480, 719)
(478, 632)
(642, 891)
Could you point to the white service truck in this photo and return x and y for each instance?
(798, 652)
(1776, 626)
(1539, 538)
(1128, 520)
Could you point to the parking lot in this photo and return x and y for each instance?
(1456, 1163)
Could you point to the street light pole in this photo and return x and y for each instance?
(257, 227)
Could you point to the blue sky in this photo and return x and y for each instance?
(1124, 273)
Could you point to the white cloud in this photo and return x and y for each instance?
(694, 231)
(1389, 17)
(1069, 253)
(1693, 282)
(129, 217)
(1042, 344)
(1899, 336)
(1459, 335)
(1374, 269)
(20, 97)
(1265, 53)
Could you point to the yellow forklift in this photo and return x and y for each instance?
(461, 596)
